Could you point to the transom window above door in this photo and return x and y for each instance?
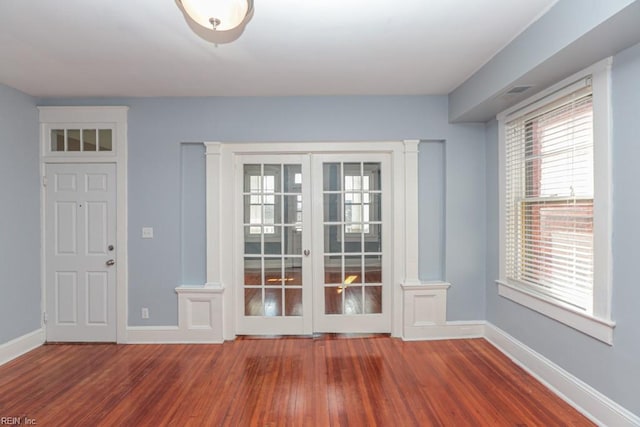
(79, 140)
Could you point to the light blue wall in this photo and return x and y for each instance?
(614, 371)
(158, 126)
(19, 215)
(432, 210)
(193, 216)
(452, 218)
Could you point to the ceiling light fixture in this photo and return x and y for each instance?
(217, 15)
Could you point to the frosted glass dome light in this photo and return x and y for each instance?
(218, 15)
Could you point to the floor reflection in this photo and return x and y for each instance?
(349, 298)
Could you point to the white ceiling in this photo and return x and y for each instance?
(289, 47)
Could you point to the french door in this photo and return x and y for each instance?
(274, 264)
(313, 252)
(351, 283)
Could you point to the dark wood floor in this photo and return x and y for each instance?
(279, 382)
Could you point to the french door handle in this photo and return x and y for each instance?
(110, 262)
(306, 252)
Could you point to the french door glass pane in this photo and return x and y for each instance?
(253, 302)
(293, 209)
(374, 175)
(352, 224)
(293, 302)
(372, 269)
(272, 196)
(331, 177)
(293, 271)
(292, 178)
(333, 300)
(252, 240)
(293, 240)
(373, 299)
(273, 302)
(353, 300)
(272, 272)
(333, 269)
(252, 271)
(333, 238)
(332, 205)
(272, 240)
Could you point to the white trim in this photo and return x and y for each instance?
(200, 312)
(411, 245)
(424, 309)
(598, 325)
(196, 325)
(155, 335)
(406, 251)
(21, 345)
(603, 184)
(213, 207)
(163, 335)
(600, 329)
(557, 89)
(405, 200)
(449, 331)
(117, 117)
(589, 401)
(426, 286)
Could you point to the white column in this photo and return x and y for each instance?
(201, 308)
(214, 178)
(411, 255)
(424, 304)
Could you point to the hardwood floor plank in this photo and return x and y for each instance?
(328, 381)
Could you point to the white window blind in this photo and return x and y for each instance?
(549, 174)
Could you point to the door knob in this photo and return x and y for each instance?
(111, 262)
(306, 252)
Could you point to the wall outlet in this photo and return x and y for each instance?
(147, 232)
(144, 312)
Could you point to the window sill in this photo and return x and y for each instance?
(597, 328)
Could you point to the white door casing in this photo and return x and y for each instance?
(74, 136)
(80, 236)
(222, 239)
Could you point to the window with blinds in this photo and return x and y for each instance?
(549, 174)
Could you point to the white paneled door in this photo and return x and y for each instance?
(80, 252)
(313, 248)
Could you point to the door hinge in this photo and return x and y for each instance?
(45, 181)
(44, 317)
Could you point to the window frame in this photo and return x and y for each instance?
(598, 323)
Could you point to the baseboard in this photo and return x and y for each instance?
(447, 331)
(590, 402)
(168, 335)
(21, 345)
